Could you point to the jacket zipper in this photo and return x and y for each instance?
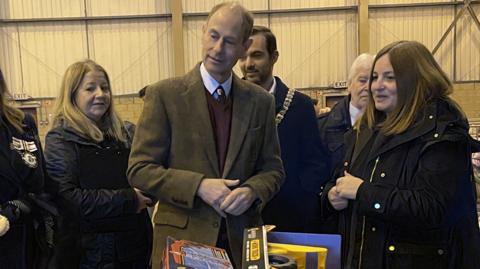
(363, 222)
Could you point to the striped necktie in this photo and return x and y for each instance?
(219, 94)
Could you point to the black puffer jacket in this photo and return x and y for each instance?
(94, 228)
(416, 207)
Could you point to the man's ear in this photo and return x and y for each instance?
(349, 84)
(275, 57)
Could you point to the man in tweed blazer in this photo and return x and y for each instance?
(212, 165)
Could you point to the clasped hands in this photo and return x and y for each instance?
(216, 193)
(345, 189)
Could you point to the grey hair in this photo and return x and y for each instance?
(364, 60)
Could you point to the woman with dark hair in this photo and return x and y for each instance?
(105, 223)
(405, 193)
(25, 225)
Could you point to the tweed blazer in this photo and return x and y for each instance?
(174, 149)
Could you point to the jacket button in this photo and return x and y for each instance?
(440, 251)
(391, 248)
(377, 206)
(382, 175)
(374, 229)
(435, 135)
(430, 117)
(215, 224)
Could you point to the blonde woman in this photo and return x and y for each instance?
(405, 194)
(105, 222)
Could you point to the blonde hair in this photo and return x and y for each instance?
(419, 79)
(13, 115)
(68, 112)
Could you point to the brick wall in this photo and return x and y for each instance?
(468, 96)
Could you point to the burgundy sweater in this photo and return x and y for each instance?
(221, 119)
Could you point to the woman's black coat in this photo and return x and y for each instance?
(87, 234)
(23, 185)
(416, 207)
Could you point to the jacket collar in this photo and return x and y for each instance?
(340, 112)
(432, 121)
(70, 134)
(242, 110)
(280, 94)
(195, 102)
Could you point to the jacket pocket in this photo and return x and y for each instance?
(416, 256)
(253, 142)
(174, 219)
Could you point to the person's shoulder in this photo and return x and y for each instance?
(129, 129)
(166, 85)
(255, 89)
(324, 116)
(174, 85)
(334, 117)
(29, 127)
(28, 119)
(29, 123)
(339, 110)
(302, 99)
(128, 125)
(56, 132)
(299, 98)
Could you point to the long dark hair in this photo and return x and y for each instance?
(13, 115)
(419, 79)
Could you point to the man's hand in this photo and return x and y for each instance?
(336, 201)
(476, 160)
(238, 201)
(347, 186)
(143, 201)
(214, 190)
(4, 225)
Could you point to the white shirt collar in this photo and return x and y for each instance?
(274, 86)
(354, 113)
(211, 84)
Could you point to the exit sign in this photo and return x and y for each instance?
(340, 84)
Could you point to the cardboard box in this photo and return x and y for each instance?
(254, 254)
(192, 255)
